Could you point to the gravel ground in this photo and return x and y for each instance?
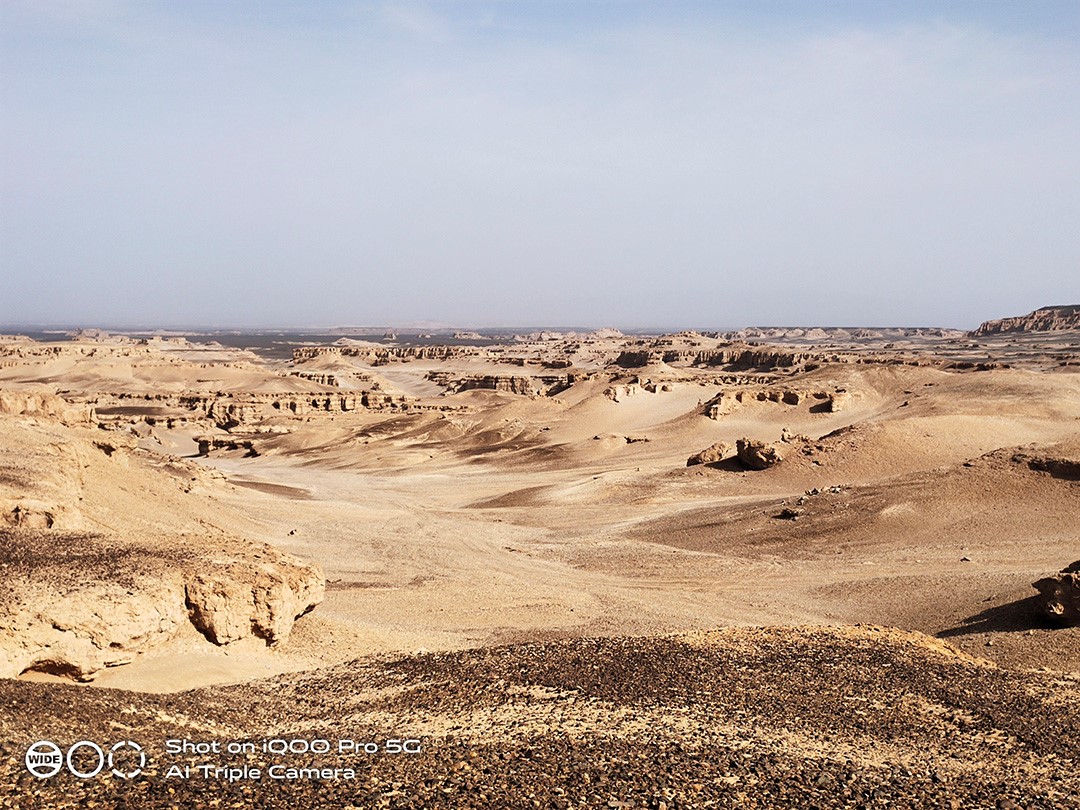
(777, 717)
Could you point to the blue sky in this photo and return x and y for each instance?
(666, 165)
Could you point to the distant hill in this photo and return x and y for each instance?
(1047, 319)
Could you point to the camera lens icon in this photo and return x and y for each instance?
(136, 752)
(86, 759)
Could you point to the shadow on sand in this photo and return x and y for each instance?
(1014, 617)
(731, 464)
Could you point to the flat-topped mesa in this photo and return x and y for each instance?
(1046, 319)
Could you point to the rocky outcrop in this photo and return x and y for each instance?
(1059, 595)
(713, 453)
(735, 356)
(233, 410)
(232, 601)
(1047, 319)
(44, 405)
(751, 357)
(77, 634)
(545, 385)
(208, 444)
(636, 359)
(320, 377)
(727, 401)
(230, 410)
(756, 455)
(723, 403)
(29, 514)
(75, 604)
(838, 401)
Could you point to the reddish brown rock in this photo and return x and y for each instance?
(1059, 595)
(757, 455)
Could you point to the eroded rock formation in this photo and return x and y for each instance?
(757, 455)
(1059, 595)
(1046, 319)
(714, 452)
(78, 603)
(544, 385)
(234, 600)
(21, 403)
(728, 401)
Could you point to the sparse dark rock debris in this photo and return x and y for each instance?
(745, 717)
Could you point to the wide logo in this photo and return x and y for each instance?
(85, 759)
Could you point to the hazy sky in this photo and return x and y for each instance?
(664, 164)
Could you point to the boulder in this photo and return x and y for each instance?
(757, 455)
(714, 452)
(1059, 595)
(238, 600)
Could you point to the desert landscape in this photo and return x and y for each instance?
(539, 405)
(774, 567)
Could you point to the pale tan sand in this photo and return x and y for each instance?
(482, 516)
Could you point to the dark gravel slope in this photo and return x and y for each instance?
(779, 717)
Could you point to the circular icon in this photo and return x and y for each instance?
(44, 759)
(134, 746)
(86, 774)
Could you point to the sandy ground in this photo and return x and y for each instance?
(510, 535)
(483, 516)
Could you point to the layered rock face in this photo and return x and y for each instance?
(544, 385)
(1059, 595)
(79, 603)
(231, 410)
(1047, 319)
(22, 403)
(733, 356)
